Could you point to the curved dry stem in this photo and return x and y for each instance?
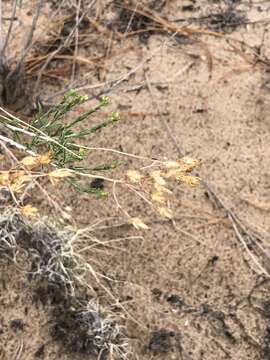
(117, 152)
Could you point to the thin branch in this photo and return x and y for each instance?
(109, 86)
(78, 8)
(131, 19)
(12, 19)
(262, 270)
(14, 143)
(1, 31)
(116, 152)
(60, 47)
(236, 224)
(29, 42)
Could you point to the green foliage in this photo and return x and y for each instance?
(62, 136)
(50, 132)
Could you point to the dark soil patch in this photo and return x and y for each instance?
(128, 20)
(225, 20)
(161, 341)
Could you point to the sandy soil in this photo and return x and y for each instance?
(190, 289)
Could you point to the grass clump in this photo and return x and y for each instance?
(56, 271)
(81, 328)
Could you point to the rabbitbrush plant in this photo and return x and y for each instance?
(49, 135)
(55, 149)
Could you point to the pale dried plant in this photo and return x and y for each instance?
(151, 186)
(60, 155)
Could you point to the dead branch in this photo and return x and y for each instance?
(29, 41)
(12, 19)
(78, 8)
(60, 47)
(1, 29)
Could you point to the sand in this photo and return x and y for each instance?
(190, 279)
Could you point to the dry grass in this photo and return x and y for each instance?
(56, 268)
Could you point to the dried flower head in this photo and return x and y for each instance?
(159, 197)
(29, 211)
(165, 212)
(189, 180)
(34, 161)
(187, 164)
(157, 176)
(134, 176)
(139, 224)
(171, 164)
